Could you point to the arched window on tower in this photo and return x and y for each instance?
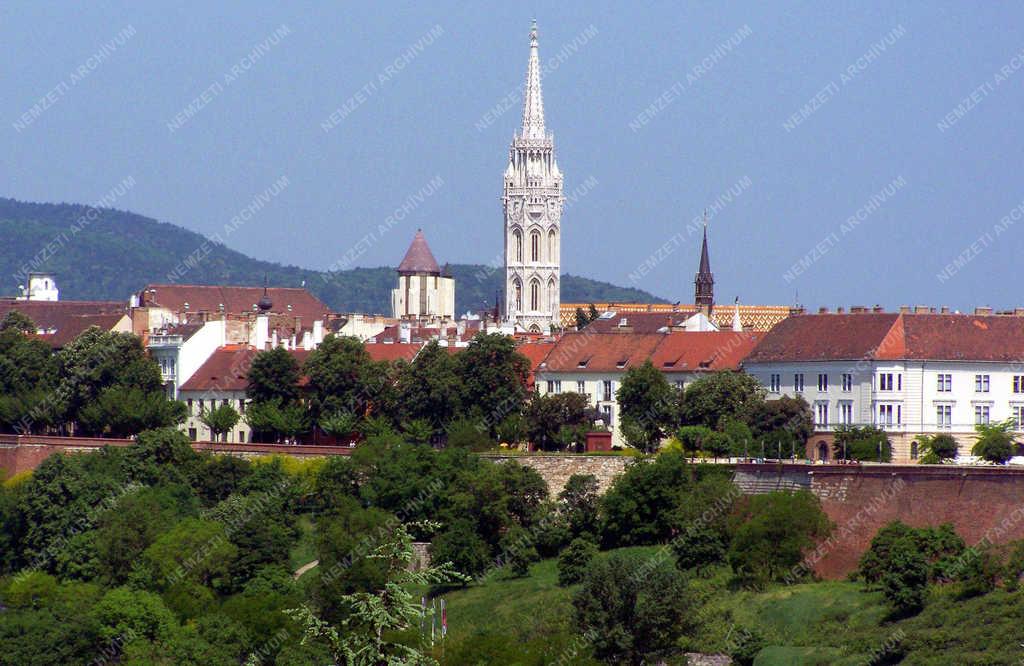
(535, 295)
(517, 244)
(517, 287)
(552, 246)
(535, 246)
(551, 295)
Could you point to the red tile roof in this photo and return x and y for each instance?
(236, 300)
(640, 322)
(703, 351)
(66, 319)
(419, 258)
(583, 351)
(679, 351)
(831, 337)
(394, 351)
(535, 352)
(227, 369)
(891, 336)
(961, 337)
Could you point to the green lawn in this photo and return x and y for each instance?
(304, 550)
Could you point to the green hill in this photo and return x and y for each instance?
(119, 252)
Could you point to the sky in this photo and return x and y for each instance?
(861, 155)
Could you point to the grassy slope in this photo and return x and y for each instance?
(808, 624)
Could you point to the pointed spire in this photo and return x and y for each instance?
(419, 258)
(737, 325)
(704, 282)
(533, 105)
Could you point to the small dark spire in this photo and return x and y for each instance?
(704, 282)
(264, 303)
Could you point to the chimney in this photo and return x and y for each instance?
(262, 333)
(944, 309)
(822, 310)
(904, 309)
(798, 310)
(877, 309)
(983, 310)
(1018, 312)
(318, 332)
(923, 309)
(858, 309)
(840, 310)
(404, 332)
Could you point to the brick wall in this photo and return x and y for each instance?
(979, 502)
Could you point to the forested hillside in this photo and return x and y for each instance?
(119, 252)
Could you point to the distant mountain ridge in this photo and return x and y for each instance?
(118, 252)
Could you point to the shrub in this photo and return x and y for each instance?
(905, 579)
(575, 561)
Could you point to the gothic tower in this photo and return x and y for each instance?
(704, 282)
(532, 201)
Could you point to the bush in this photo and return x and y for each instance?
(518, 551)
(865, 443)
(634, 610)
(995, 442)
(936, 448)
(466, 434)
(771, 532)
(575, 561)
(638, 508)
(905, 579)
(460, 545)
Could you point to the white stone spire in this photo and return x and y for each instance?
(532, 202)
(533, 105)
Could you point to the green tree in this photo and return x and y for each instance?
(934, 449)
(101, 368)
(277, 422)
(123, 411)
(692, 438)
(866, 443)
(639, 506)
(701, 523)
(460, 544)
(546, 415)
(785, 420)
(580, 498)
(194, 551)
(418, 431)
(646, 406)
(220, 420)
(720, 395)
(492, 377)
(18, 322)
(631, 618)
(996, 442)
(343, 378)
(373, 617)
(771, 533)
(518, 551)
(273, 377)
(575, 561)
(28, 370)
(429, 388)
(905, 578)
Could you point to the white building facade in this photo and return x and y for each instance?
(909, 374)
(532, 203)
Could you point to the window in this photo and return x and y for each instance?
(1018, 383)
(551, 386)
(517, 244)
(517, 286)
(846, 412)
(885, 381)
(241, 437)
(885, 415)
(944, 416)
(535, 246)
(606, 391)
(981, 414)
(775, 383)
(1018, 417)
(798, 382)
(552, 247)
(225, 402)
(822, 382)
(821, 413)
(190, 405)
(680, 384)
(606, 412)
(581, 387)
(913, 450)
(535, 295)
(192, 434)
(558, 386)
(847, 382)
(200, 405)
(945, 383)
(241, 406)
(981, 384)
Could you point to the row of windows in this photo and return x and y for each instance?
(537, 297)
(606, 393)
(821, 413)
(775, 382)
(193, 434)
(535, 246)
(213, 405)
(888, 381)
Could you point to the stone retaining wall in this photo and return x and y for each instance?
(556, 469)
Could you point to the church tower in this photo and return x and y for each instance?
(704, 282)
(532, 202)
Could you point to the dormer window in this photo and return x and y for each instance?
(621, 363)
(583, 362)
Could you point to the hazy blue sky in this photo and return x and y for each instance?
(887, 79)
